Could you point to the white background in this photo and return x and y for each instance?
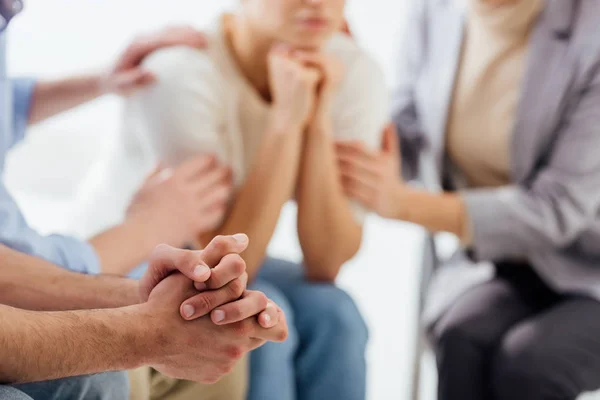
(56, 37)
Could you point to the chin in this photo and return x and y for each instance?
(308, 41)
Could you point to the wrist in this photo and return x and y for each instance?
(101, 83)
(403, 195)
(282, 125)
(322, 123)
(133, 334)
(145, 334)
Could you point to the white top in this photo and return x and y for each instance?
(201, 103)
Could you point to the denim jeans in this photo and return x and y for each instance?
(107, 386)
(324, 356)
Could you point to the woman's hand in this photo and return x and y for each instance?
(179, 203)
(373, 178)
(331, 71)
(293, 88)
(128, 75)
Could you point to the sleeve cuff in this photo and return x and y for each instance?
(22, 95)
(492, 224)
(75, 255)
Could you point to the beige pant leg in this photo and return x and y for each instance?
(139, 383)
(156, 386)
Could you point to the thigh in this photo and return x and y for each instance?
(310, 301)
(139, 383)
(10, 393)
(233, 386)
(482, 315)
(557, 349)
(106, 386)
(274, 293)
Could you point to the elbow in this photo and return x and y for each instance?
(326, 269)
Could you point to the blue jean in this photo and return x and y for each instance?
(107, 386)
(324, 356)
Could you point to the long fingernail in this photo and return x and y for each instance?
(188, 310)
(201, 270)
(240, 238)
(218, 315)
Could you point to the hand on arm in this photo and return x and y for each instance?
(54, 97)
(173, 206)
(374, 179)
(272, 180)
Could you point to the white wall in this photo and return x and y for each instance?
(54, 37)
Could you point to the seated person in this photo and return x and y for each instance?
(152, 219)
(276, 86)
(516, 153)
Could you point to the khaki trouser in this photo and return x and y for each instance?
(148, 384)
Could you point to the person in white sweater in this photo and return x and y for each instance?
(273, 91)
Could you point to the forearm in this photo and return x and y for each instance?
(31, 283)
(328, 233)
(36, 346)
(436, 212)
(268, 187)
(54, 97)
(122, 248)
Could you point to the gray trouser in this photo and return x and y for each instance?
(514, 338)
(107, 386)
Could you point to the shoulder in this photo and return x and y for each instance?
(364, 80)
(356, 61)
(186, 65)
(361, 107)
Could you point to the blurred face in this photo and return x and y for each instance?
(300, 23)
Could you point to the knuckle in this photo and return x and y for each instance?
(234, 311)
(223, 369)
(242, 329)
(188, 260)
(238, 265)
(236, 287)
(261, 300)
(234, 352)
(219, 243)
(282, 335)
(204, 303)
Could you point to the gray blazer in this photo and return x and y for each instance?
(550, 214)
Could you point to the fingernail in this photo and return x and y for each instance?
(240, 238)
(200, 286)
(201, 270)
(267, 319)
(188, 310)
(218, 315)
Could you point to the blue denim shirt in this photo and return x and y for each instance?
(67, 252)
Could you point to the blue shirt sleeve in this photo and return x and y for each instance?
(22, 94)
(64, 251)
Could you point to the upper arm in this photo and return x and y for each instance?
(362, 104)
(22, 96)
(362, 110)
(181, 115)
